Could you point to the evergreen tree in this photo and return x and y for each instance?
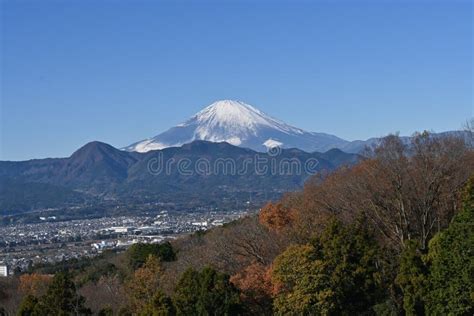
(61, 298)
(336, 274)
(138, 253)
(451, 255)
(159, 305)
(207, 292)
(412, 279)
(27, 306)
(106, 311)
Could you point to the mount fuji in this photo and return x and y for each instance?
(242, 125)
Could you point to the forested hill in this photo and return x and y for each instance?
(391, 235)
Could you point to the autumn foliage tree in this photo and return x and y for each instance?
(34, 284)
(414, 190)
(144, 290)
(276, 216)
(408, 190)
(256, 288)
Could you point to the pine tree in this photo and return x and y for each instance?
(412, 279)
(451, 255)
(207, 292)
(61, 298)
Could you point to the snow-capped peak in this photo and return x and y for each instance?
(237, 123)
(231, 112)
(236, 117)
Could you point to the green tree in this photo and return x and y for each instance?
(412, 279)
(27, 306)
(139, 253)
(207, 292)
(159, 305)
(335, 274)
(106, 311)
(302, 283)
(60, 299)
(451, 259)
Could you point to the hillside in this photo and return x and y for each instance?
(204, 170)
(334, 247)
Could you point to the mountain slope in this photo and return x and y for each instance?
(239, 124)
(102, 171)
(97, 163)
(94, 167)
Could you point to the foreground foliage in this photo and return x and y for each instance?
(451, 262)
(61, 298)
(207, 292)
(336, 274)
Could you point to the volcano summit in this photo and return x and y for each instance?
(239, 124)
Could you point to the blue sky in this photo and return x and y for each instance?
(121, 71)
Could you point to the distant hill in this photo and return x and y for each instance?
(201, 169)
(18, 196)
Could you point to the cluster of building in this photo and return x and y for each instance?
(50, 241)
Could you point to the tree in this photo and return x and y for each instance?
(144, 292)
(61, 298)
(469, 131)
(242, 243)
(336, 274)
(256, 288)
(27, 306)
(301, 283)
(275, 216)
(34, 284)
(108, 290)
(451, 259)
(9, 298)
(139, 253)
(412, 279)
(409, 190)
(106, 311)
(159, 305)
(206, 292)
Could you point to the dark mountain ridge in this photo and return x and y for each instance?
(201, 168)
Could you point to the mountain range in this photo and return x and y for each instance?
(199, 160)
(100, 171)
(243, 125)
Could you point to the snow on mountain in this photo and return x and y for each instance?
(239, 124)
(271, 143)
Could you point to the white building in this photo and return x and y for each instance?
(3, 270)
(103, 245)
(200, 224)
(122, 229)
